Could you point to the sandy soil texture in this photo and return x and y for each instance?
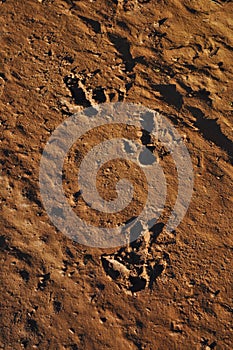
(164, 291)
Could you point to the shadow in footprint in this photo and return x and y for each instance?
(170, 94)
(211, 130)
(137, 283)
(99, 95)
(156, 230)
(95, 25)
(77, 92)
(123, 47)
(156, 272)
